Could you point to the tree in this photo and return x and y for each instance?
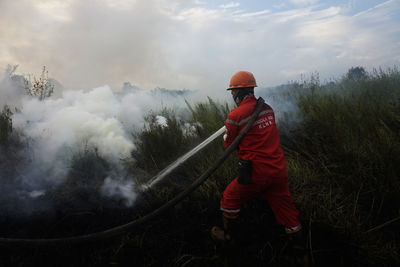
(356, 73)
(41, 87)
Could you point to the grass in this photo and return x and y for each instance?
(348, 144)
(343, 159)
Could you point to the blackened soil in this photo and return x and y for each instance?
(180, 237)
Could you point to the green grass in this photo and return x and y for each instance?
(345, 160)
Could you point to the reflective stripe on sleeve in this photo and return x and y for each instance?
(248, 118)
(232, 122)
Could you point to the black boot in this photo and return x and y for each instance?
(227, 233)
(298, 243)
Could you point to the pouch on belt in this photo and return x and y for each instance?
(244, 172)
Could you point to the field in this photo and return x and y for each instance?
(343, 157)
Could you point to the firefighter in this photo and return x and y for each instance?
(261, 168)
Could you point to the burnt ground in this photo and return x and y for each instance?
(179, 237)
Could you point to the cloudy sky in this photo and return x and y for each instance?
(196, 44)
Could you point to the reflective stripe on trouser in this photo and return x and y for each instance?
(276, 193)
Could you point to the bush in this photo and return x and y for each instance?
(159, 144)
(40, 87)
(5, 125)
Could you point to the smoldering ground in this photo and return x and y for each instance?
(73, 148)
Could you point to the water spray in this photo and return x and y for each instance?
(166, 171)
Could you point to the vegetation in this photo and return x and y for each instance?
(345, 158)
(39, 87)
(169, 137)
(5, 125)
(344, 165)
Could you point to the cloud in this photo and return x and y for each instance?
(327, 40)
(303, 2)
(362, 39)
(187, 44)
(280, 5)
(56, 10)
(253, 14)
(86, 43)
(230, 5)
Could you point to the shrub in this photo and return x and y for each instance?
(5, 125)
(158, 144)
(40, 87)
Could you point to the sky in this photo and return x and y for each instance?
(196, 44)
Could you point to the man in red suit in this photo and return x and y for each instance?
(262, 166)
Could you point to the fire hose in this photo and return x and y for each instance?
(125, 227)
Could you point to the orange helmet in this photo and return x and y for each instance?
(242, 79)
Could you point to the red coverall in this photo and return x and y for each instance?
(269, 175)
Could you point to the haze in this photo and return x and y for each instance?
(195, 44)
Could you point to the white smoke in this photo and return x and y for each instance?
(60, 127)
(284, 101)
(162, 121)
(36, 193)
(11, 88)
(101, 120)
(121, 188)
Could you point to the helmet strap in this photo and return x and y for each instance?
(236, 98)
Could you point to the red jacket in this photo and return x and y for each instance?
(261, 143)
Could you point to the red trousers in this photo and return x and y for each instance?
(275, 191)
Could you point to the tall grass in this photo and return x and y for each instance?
(157, 145)
(345, 161)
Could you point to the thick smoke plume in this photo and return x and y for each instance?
(61, 128)
(59, 131)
